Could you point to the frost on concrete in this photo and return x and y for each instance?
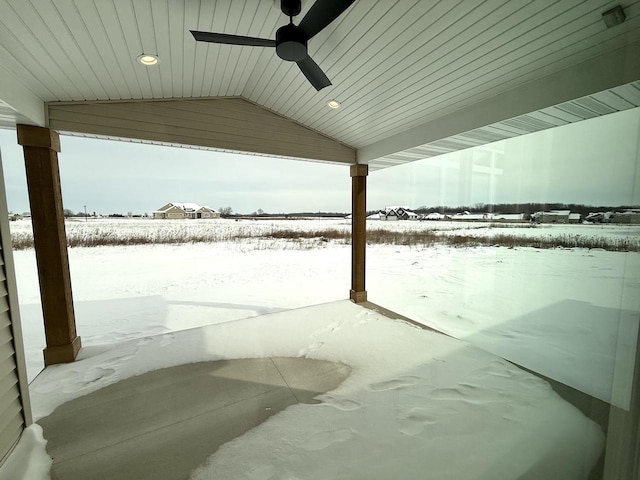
(417, 405)
(29, 459)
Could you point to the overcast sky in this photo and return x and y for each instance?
(591, 162)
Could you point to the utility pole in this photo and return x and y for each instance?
(86, 219)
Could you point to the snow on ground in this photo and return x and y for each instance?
(570, 314)
(413, 398)
(131, 292)
(29, 459)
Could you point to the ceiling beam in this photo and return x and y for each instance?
(232, 124)
(615, 68)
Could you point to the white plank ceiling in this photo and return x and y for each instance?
(393, 64)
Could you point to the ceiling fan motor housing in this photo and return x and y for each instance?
(290, 8)
(291, 43)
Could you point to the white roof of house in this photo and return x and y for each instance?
(186, 206)
(387, 209)
(167, 208)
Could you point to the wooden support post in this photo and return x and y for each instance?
(41, 147)
(359, 174)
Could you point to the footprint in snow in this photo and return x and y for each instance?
(307, 350)
(122, 358)
(414, 422)
(167, 339)
(145, 340)
(394, 384)
(95, 374)
(344, 404)
(322, 440)
(332, 327)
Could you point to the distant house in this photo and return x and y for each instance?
(178, 210)
(509, 217)
(389, 215)
(554, 216)
(406, 214)
(598, 217)
(205, 212)
(397, 213)
(627, 216)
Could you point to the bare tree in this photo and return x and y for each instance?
(226, 211)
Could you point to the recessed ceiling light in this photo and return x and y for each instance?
(147, 59)
(333, 104)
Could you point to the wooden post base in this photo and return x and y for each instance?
(62, 353)
(358, 297)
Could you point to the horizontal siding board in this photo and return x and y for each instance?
(234, 125)
(225, 108)
(225, 144)
(159, 119)
(10, 417)
(5, 320)
(10, 436)
(6, 345)
(9, 392)
(223, 113)
(213, 139)
(7, 366)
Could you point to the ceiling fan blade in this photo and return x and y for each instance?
(321, 14)
(314, 73)
(232, 39)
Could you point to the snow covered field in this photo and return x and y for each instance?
(571, 314)
(528, 305)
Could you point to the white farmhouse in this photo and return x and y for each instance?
(179, 210)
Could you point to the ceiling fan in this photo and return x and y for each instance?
(291, 40)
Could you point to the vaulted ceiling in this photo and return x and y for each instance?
(408, 73)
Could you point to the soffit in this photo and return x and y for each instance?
(606, 102)
(394, 64)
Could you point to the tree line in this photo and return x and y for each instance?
(526, 208)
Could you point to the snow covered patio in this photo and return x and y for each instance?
(410, 398)
(166, 423)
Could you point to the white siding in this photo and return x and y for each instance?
(15, 411)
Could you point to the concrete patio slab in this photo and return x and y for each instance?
(166, 423)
